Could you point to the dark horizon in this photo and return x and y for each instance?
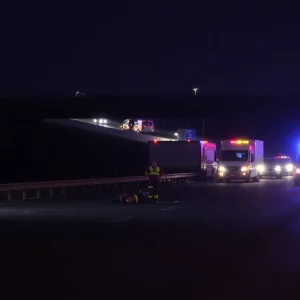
(150, 47)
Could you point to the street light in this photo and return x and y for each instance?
(195, 90)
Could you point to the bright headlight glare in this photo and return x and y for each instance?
(277, 168)
(298, 171)
(221, 169)
(95, 120)
(289, 167)
(260, 168)
(244, 169)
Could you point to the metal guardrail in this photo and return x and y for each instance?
(51, 185)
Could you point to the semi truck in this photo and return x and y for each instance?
(185, 156)
(240, 159)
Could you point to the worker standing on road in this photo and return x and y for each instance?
(154, 172)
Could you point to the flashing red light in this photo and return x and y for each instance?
(155, 141)
(189, 141)
(282, 157)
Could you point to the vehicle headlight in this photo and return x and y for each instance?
(100, 121)
(298, 171)
(289, 167)
(244, 169)
(277, 168)
(95, 120)
(261, 168)
(104, 121)
(221, 169)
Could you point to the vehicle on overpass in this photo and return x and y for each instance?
(270, 168)
(138, 125)
(128, 124)
(146, 125)
(286, 164)
(184, 156)
(239, 160)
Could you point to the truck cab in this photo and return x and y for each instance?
(239, 160)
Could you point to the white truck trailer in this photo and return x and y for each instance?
(239, 160)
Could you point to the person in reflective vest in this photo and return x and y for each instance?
(154, 172)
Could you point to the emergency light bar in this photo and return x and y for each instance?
(239, 142)
(203, 142)
(282, 157)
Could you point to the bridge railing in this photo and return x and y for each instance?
(33, 189)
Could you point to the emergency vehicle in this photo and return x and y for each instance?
(184, 156)
(297, 175)
(270, 168)
(146, 125)
(138, 125)
(240, 159)
(128, 124)
(286, 164)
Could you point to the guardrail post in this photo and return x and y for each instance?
(23, 195)
(9, 198)
(38, 193)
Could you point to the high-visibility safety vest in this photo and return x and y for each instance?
(154, 171)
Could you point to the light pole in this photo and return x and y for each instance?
(195, 90)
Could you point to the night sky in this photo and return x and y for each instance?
(134, 47)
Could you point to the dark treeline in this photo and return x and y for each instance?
(36, 151)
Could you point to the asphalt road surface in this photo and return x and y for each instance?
(204, 241)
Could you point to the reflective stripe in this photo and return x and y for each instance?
(155, 171)
(150, 187)
(150, 196)
(156, 196)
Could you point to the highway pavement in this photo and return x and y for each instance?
(204, 240)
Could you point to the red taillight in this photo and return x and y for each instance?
(155, 141)
(189, 141)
